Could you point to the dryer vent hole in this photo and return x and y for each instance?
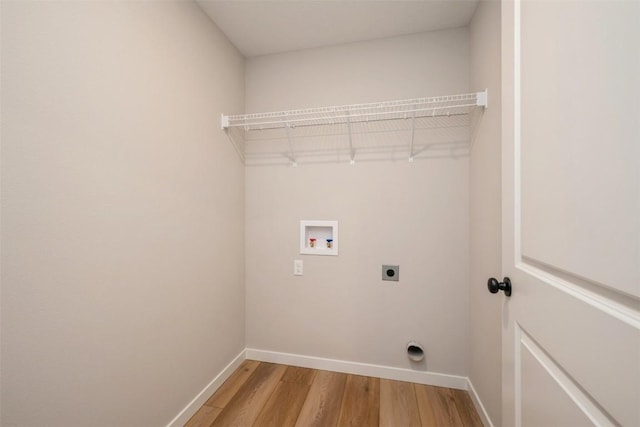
(415, 352)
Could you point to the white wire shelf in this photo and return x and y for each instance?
(341, 132)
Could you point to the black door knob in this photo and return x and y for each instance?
(495, 286)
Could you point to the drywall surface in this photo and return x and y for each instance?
(414, 215)
(122, 211)
(485, 212)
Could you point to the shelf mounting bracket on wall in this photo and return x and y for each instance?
(482, 99)
(224, 125)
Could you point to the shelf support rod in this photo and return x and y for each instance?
(351, 152)
(235, 144)
(413, 134)
(292, 156)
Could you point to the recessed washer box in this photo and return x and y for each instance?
(318, 237)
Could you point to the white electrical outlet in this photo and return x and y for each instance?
(297, 267)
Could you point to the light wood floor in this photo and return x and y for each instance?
(265, 394)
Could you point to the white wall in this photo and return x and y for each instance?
(122, 211)
(412, 214)
(485, 212)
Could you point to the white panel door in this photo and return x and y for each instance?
(571, 213)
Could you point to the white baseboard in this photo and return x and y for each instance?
(201, 398)
(482, 411)
(399, 374)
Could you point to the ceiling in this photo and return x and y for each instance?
(264, 27)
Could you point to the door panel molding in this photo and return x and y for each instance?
(575, 92)
(596, 349)
(570, 388)
(625, 309)
(622, 305)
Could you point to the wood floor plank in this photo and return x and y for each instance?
(205, 416)
(466, 409)
(437, 406)
(361, 402)
(425, 406)
(324, 399)
(231, 386)
(246, 404)
(284, 405)
(398, 404)
(299, 375)
(267, 394)
(448, 401)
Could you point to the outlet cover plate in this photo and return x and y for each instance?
(391, 273)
